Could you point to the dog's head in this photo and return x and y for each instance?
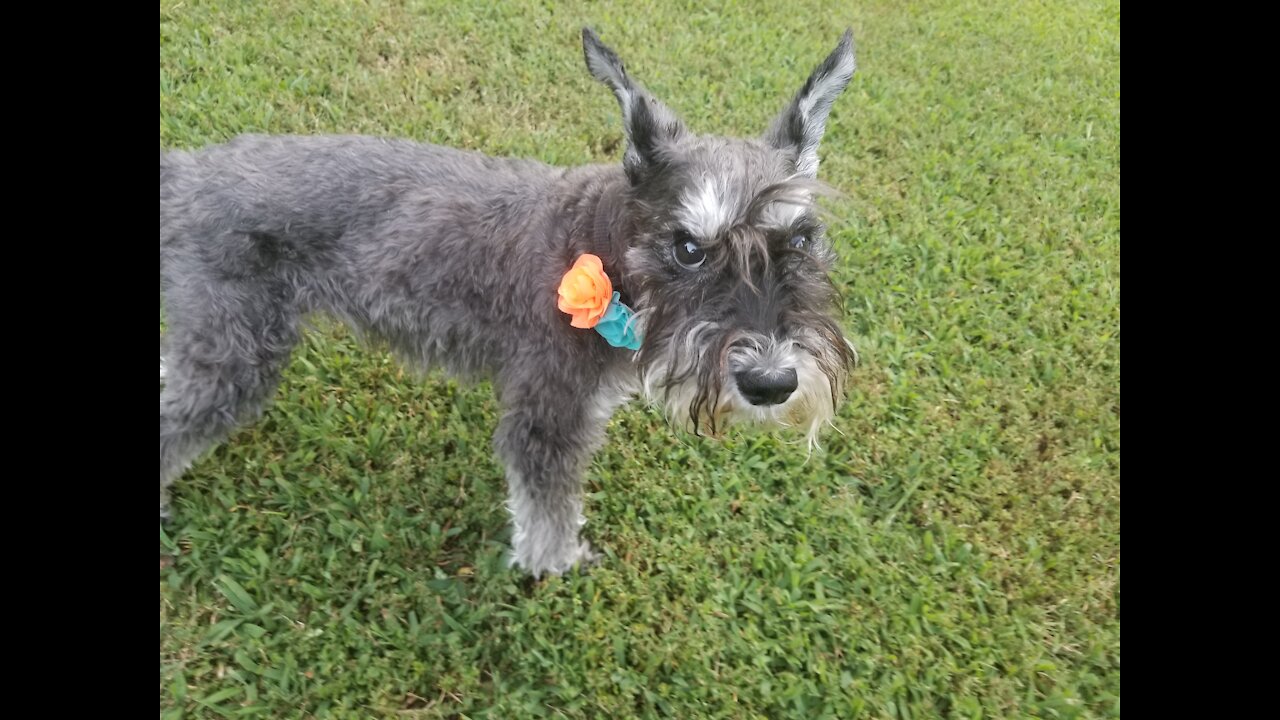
(726, 261)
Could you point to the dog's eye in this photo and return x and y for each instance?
(800, 242)
(687, 252)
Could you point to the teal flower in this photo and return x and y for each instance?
(618, 325)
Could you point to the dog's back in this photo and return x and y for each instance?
(311, 189)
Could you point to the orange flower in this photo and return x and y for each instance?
(585, 292)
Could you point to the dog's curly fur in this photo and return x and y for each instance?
(453, 259)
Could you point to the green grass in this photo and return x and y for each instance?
(954, 552)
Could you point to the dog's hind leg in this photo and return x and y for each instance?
(224, 355)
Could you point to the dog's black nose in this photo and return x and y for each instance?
(767, 387)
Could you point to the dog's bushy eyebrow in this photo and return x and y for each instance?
(795, 190)
(799, 191)
(746, 240)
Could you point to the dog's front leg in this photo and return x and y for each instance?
(546, 446)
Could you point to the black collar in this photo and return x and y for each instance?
(602, 235)
(606, 237)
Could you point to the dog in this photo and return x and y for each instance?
(721, 310)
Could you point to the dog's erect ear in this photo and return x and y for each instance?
(799, 128)
(648, 123)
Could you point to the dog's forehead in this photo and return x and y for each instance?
(718, 179)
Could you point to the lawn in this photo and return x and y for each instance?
(953, 551)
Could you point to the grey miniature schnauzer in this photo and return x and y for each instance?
(454, 260)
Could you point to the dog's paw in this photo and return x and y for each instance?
(539, 565)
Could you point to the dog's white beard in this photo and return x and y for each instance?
(808, 408)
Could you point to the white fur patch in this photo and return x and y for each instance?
(707, 212)
(783, 215)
